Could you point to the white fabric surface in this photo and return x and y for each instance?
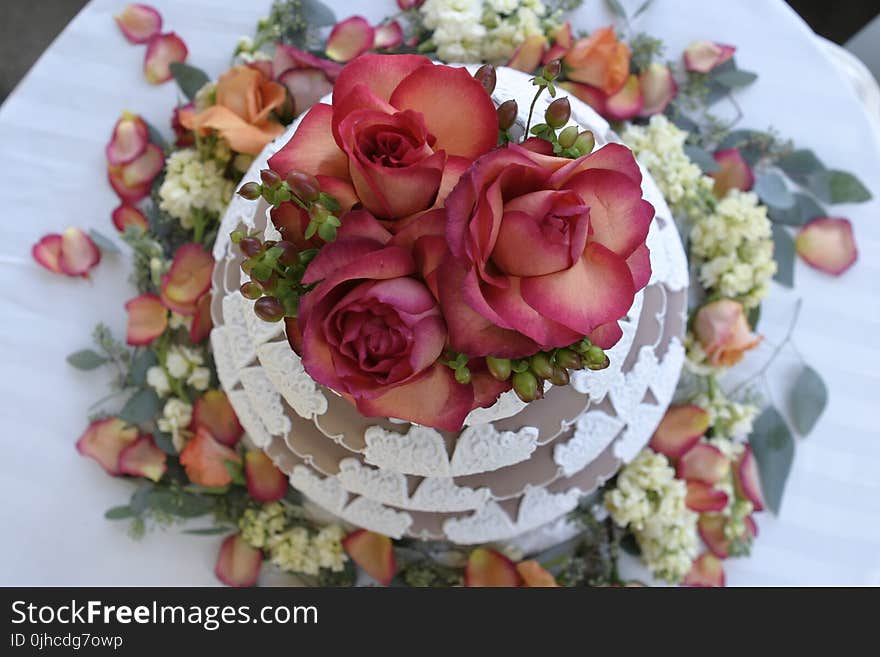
(52, 133)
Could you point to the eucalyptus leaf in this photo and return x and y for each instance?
(642, 8)
(235, 472)
(140, 499)
(805, 209)
(771, 189)
(773, 447)
(616, 8)
(179, 504)
(754, 317)
(808, 400)
(834, 186)
(103, 242)
(317, 14)
(189, 78)
(156, 137)
(734, 79)
(685, 123)
(142, 407)
(738, 138)
(119, 513)
(800, 163)
(210, 531)
(783, 253)
(87, 359)
(164, 442)
(137, 375)
(702, 158)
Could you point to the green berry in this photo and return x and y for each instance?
(568, 136)
(541, 366)
(251, 290)
(568, 359)
(558, 113)
(507, 112)
(485, 75)
(269, 309)
(525, 385)
(251, 191)
(463, 375)
(498, 367)
(559, 377)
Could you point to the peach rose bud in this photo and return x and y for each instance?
(238, 564)
(126, 215)
(487, 567)
(350, 38)
(204, 460)
(658, 89)
(707, 570)
(139, 23)
(143, 458)
(828, 245)
(734, 173)
(703, 56)
(162, 51)
(373, 552)
(265, 482)
(104, 440)
(679, 430)
(388, 36)
(147, 319)
(129, 140)
(724, 333)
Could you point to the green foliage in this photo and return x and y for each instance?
(142, 407)
(295, 22)
(808, 399)
(189, 78)
(103, 242)
(773, 446)
(771, 189)
(833, 186)
(87, 359)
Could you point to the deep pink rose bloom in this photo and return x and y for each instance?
(543, 251)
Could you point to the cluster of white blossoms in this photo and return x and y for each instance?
(193, 184)
(183, 365)
(651, 502)
(729, 419)
(175, 420)
(483, 30)
(296, 549)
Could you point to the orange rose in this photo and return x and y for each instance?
(245, 101)
(599, 60)
(724, 332)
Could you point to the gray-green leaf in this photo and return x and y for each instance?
(616, 8)
(643, 8)
(137, 375)
(156, 137)
(210, 531)
(103, 242)
(771, 189)
(86, 359)
(805, 209)
(783, 253)
(800, 163)
(317, 14)
(142, 407)
(735, 79)
(808, 400)
(773, 446)
(189, 78)
(119, 513)
(702, 158)
(835, 186)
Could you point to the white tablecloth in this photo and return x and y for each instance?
(52, 134)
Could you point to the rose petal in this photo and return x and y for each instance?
(606, 335)
(238, 564)
(183, 136)
(747, 481)
(312, 148)
(139, 23)
(128, 195)
(204, 460)
(679, 430)
(349, 38)
(658, 88)
(463, 96)
(639, 263)
(707, 570)
(388, 36)
(265, 482)
(734, 173)
(104, 440)
(202, 323)
(243, 136)
(147, 319)
(306, 87)
(704, 497)
(129, 140)
(711, 529)
(132, 181)
(703, 462)
(828, 245)
(79, 253)
(599, 60)
(615, 157)
(527, 57)
(379, 73)
(188, 278)
(487, 567)
(562, 36)
(143, 458)
(289, 57)
(703, 56)
(373, 552)
(162, 51)
(592, 96)
(126, 215)
(534, 574)
(47, 253)
(213, 413)
(627, 103)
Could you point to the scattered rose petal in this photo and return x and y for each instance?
(703, 56)
(592, 96)
(47, 252)
(711, 529)
(204, 460)
(406, 5)
(747, 481)
(527, 56)
(679, 430)
(306, 87)
(132, 181)
(487, 567)
(704, 497)
(129, 215)
(707, 570)
(147, 319)
(202, 322)
(373, 552)
(658, 89)
(188, 279)
(162, 51)
(828, 245)
(350, 38)
(139, 23)
(388, 36)
(129, 139)
(734, 173)
(143, 458)
(626, 103)
(704, 463)
(213, 413)
(534, 574)
(104, 440)
(238, 564)
(79, 253)
(265, 482)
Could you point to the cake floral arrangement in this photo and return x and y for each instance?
(427, 250)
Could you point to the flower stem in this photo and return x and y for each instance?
(532, 111)
(786, 340)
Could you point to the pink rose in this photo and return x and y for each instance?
(543, 251)
(388, 137)
(724, 332)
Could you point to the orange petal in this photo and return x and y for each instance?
(47, 253)
(139, 23)
(734, 173)
(827, 245)
(128, 215)
(373, 552)
(528, 56)
(188, 278)
(238, 564)
(312, 148)
(704, 497)
(129, 140)
(707, 570)
(162, 50)
(711, 529)
(242, 136)
(747, 481)
(627, 103)
(534, 574)
(79, 254)
(487, 567)
(265, 482)
(202, 322)
(679, 430)
(658, 88)
(132, 181)
(350, 38)
(204, 460)
(213, 413)
(104, 440)
(143, 458)
(147, 319)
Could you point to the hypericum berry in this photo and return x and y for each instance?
(507, 112)
(541, 366)
(525, 385)
(247, 266)
(568, 136)
(558, 113)
(595, 355)
(463, 375)
(269, 177)
(251, 191)
(485, 75)
(305, 186)
(568, 359)
(289, 253)
(319, 213)
(559, 377)
(552, 70)
(250, 246)
(585, 142)
(269, 309)
(498, 367)
(600, 364)
(251, 290)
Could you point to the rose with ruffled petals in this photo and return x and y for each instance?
(388, 137)
(599, 60)
(543, 251)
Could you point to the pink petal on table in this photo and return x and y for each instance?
(47, 253)
(129, 215)
(147, 319)
(79, 253)
(388, 36)
(143, 458)
(747, 481)
(238, 564)
(626, 103)
(350, 38)
(373, 552)
(679, 430)
(162, 51)
(658, 89)
(132, 181)
(707, 570)
(103, 440)
(703, 462)
(704, 497)
(129, 140)
(827, 244)
(703, 56)
(711, 529)
(734, 173)
(139, 23)
(528, 55)
(265, 482)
